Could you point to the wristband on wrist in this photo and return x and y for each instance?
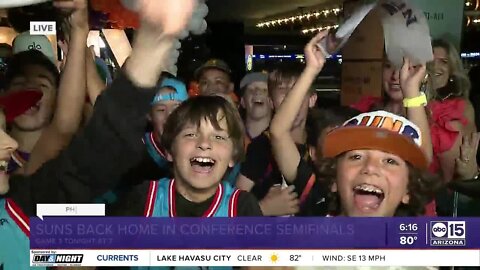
(416, 101)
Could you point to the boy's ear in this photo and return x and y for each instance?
(242, 102)
(149, 117)
(231, 164)
(270, 102)
(334, 187)
(406, 198)
(169, 156)
(312, 151)
(312, 100)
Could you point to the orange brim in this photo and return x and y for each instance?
(345, 139)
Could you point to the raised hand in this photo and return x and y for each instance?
(78, 10)
(313, 54)
(411, 78)
(280, 202)
(172, 16)
(466, 166)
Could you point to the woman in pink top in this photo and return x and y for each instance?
(452, 118)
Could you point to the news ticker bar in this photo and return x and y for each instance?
(255, 257)
(136, 233)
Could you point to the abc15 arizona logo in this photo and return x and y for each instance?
(448, 233)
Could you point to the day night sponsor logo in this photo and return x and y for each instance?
(57, 258)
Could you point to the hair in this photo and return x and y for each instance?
(5, 46)
(19, 61)
(283, 72)
(422, 187)
(196, 109)
(319, 119)
(461, 83)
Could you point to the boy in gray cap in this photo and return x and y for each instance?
(256, 103)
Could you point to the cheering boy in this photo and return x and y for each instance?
(377, 168)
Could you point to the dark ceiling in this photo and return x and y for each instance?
(251, 11)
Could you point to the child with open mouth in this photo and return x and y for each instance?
(374, 165)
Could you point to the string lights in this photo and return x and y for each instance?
(471, 21)
(292, 19)
(311, 30)
(475, 4)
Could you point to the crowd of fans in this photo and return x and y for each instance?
(70, 135)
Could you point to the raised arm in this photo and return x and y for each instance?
(95, 85)
(411, 80)
(284, 149)
(71, 91)
(111, 143)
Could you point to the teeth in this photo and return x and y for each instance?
(203, 160)
(368, 188)
(3, 165)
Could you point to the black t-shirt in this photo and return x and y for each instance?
(260, 166)
(308, 184)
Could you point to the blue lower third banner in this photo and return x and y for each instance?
(253, 233)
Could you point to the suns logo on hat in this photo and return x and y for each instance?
(388, 121)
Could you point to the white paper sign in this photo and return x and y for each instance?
(330, 46)
(406, 32)
(19, 3)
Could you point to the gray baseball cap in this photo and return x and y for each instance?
(251, 78)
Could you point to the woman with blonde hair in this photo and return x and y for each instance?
(452, 115)
(449, 77)
(452, 125)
